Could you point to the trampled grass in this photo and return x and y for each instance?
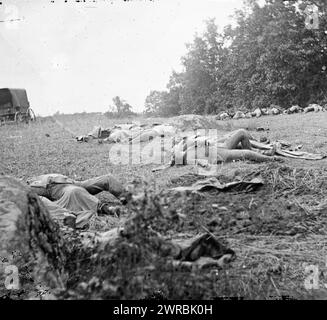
(276, 232)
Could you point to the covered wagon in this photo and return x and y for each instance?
(14, 106)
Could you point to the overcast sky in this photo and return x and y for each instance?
(74, 57)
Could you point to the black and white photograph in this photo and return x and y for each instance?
(160, 151)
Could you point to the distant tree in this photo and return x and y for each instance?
(173, 98)
(193, 89)
(118, 104)
(270, 55)
(120, 108)
(203, 64)
(154, 102)
(163, 103)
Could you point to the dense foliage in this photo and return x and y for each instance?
(273, 53)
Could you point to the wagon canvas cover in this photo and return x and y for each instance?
(13, 98)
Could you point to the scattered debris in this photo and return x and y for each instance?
(214, 184)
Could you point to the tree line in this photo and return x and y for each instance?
(272, 54)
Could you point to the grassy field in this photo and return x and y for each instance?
(275, 231)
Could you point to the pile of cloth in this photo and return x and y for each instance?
(285, 149)
(213, 183)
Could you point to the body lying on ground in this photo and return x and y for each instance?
(223, 116)
(233, 146)
(313, 108)
(294, 109)
(138, 134)
(257, 113)
(190, 249)
(126, 133)
(67, 198)
(237, 145)
(273, 111)
(239, 115)
(202, 249)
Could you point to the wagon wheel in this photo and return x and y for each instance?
(19, 117)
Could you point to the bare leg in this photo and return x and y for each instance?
(225, 155)
(240, 136)
(236, 147)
